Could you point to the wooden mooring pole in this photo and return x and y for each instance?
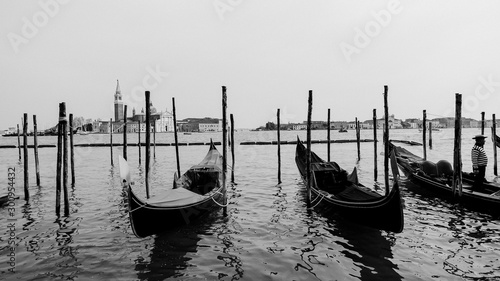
(224, 147)
(62, 161)
(125, 132)
(457, 148)
(308, 161)
(111, 139)
(62, 113)
(375, 170)
(279, 145)
(72, 150)
(18, 142)
(65, 163)
(232, 146)
(154, 139)
(430, 135)
(25, 152)
(493, 139)
(35, 147)
(328, 136)
(176, 139)
(386, 141)
(482, 123)
(139, 139)
(358, 143)
(424, 131)
(148, 139)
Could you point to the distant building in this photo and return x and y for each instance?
(118, 103)
(414, 123)
(489, 123)
(206, 124)
(435, 124)
(393, 122)
(160, 121)
(298, 127)
(338, 124)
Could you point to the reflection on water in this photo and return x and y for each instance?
(226, 231)
(370, 249)
(230, 255)
(471, 236)
(308, 254)
(168, 255)
(466, 241)
(171, 253)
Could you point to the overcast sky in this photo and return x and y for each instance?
(269, 54)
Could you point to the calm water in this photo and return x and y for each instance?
(267, 235)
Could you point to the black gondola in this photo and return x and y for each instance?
(196, 193)
(333, 190)
(438, 177)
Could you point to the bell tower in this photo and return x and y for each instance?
(118, 103)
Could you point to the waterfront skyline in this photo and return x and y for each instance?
(269, 55)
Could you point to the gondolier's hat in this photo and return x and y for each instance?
(479, 137)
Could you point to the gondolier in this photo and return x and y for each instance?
(479, 161)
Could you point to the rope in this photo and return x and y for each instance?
(322, 197)
(141, 206)
(220, 205)
(63, 118)
(316, 198)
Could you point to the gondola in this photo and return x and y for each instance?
(334, 191)
(438, 178)
(196, 193)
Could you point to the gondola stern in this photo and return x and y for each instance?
(124, 172)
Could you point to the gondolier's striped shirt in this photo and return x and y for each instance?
(478, 157)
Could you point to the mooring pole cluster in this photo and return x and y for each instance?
(62, 161)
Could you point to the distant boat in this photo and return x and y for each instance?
(14, 134)
(10, 134)
(342, 130)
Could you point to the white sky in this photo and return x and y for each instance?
(269, 54)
